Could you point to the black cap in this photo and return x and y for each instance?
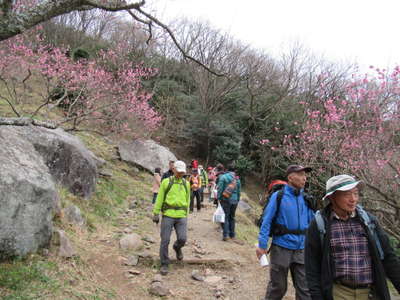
(297, 168)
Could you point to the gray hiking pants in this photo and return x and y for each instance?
(283, 260)
(167, 223)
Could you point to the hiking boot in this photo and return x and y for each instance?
(225, 238)
(164, 270)
(179, 253)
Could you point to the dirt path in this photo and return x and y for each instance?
(239, 277)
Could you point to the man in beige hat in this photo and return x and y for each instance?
(347, 254)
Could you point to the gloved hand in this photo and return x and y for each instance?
(156, 219)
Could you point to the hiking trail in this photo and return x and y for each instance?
(228, 269)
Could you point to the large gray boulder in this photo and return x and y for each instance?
(27, 196)
(146, 154)
(244, 205)
(70, 163)
(32, 160)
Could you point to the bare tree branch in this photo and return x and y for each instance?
(175, 41)
(26, 122)
(16, 22)
(114, 5)
(148, 23)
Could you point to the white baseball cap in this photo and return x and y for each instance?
(180, 166)
(341, 183)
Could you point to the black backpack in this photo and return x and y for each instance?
(278, 229)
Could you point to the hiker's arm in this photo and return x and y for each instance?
(160, 197)
(188, 195)
(221, 187)
(313, 258)
(391, 263)
(158, 179)
(269, 214)
(239, 189)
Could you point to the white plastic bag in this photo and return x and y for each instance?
(219, 215)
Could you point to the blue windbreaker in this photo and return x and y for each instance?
(293, 213)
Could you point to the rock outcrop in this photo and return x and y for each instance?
(27, 196)
(32, 161)
(70, 163)
(146, 154)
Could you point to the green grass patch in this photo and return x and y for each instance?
(27, 279)
(245, 228)
(110, 197)
(97, 145)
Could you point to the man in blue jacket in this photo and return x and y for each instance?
(287, 224)
(229, 204)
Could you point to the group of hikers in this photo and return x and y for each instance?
(338, 252)
(174, 194)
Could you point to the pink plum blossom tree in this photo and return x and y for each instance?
(356, 131)
(103, 94)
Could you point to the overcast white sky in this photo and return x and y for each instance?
(363, 31)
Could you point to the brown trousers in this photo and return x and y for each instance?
(341, 292)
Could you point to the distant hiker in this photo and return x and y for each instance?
(195, 186)
(194, 164)
(170, 172)
(204, 182)
(211, 183)
(348, 254)
(219, 170)
(229, 197)
(287, 224)
(173, 202)
(156, 183)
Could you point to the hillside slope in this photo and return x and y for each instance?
(98, 270)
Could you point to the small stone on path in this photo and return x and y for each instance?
(158, 289)
(134, 272)
(132, 260)
(149, 239)
(197, 276)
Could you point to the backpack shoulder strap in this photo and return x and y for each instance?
(310, 202)
(170, 183)
(370, 224)
(279, 197)
(185, 185)
(321, 226)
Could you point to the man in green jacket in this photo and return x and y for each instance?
(173, 201)
(204, 182)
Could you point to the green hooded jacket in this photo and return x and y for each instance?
(204, 178)
(177, 196)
